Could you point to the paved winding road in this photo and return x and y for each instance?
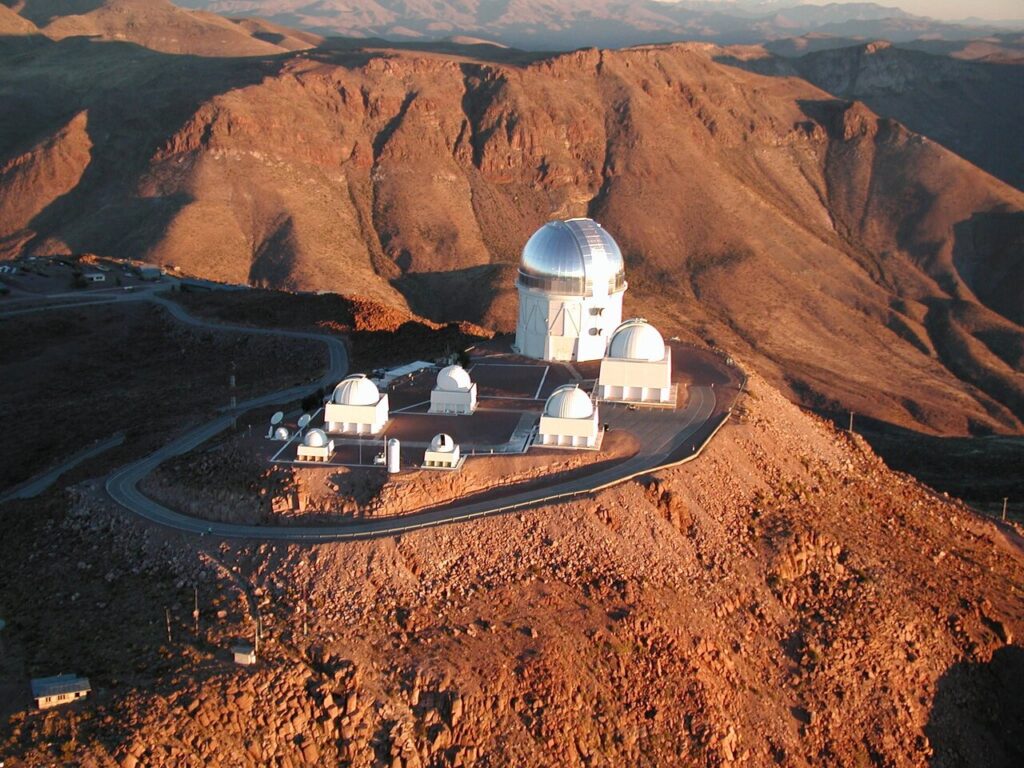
(664, 442)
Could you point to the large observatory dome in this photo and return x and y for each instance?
(637, 339)
(572, 257)
(356, 390)
(569, 402)
(453, 379)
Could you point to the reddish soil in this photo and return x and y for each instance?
(786, 600)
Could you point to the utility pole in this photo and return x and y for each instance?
(305, 610)
(1005, 500)
(195, 611)
(231, 384)
(167, 614)
(851, 421)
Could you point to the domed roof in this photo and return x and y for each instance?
(637, 339)
(281, 433)
(356, 390)
(569, 402)
(315, 438)
(574, 257)
(453, 378)
(442, 443)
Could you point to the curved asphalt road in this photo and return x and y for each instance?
(662, 437)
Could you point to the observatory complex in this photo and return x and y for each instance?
(571, 281)
(571, 284)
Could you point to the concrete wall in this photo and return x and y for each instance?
(462, 402)
(316, 453)
(356, 419)
(580, 433)
(556, 327)
(636, 380)
(441, 459)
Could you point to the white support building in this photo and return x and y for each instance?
(244, 654)
(571, 282)
(356, 408)
(316, 446)
(454, 392)
(443, 453)
(570, 420)
(59, 689)
(638, 366)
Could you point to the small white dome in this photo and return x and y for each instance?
(637, 339)
(453, 379)
(315, 438)
(356, 390)
(442, 443)
(281, 433)
(569, 402)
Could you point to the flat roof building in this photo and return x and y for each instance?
(454, 393)
(571, 282)
(356, 408)
(59, 689)
(244, 654)
(638, 366)
(570, 420)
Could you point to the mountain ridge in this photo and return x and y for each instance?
(534, 24)
(877, 267)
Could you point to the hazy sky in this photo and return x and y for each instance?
(955, 9)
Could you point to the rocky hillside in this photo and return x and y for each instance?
(859, 264)
(785, 600)
(974, 107)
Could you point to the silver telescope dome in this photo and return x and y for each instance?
(572, 257)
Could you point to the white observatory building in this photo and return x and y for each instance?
(356, 407)
(571, 281)
(638, 366)
(454, 392)
(569, 419)
(316, 446)
(443, 453)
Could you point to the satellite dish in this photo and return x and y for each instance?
(304, 420)
(276, 418)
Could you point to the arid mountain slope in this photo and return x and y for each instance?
(858, 264)
(12, 24)
(161, 26)
(1005, 48)
(976, 108)
(785, 600)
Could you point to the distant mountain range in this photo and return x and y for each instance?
(569, 24)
